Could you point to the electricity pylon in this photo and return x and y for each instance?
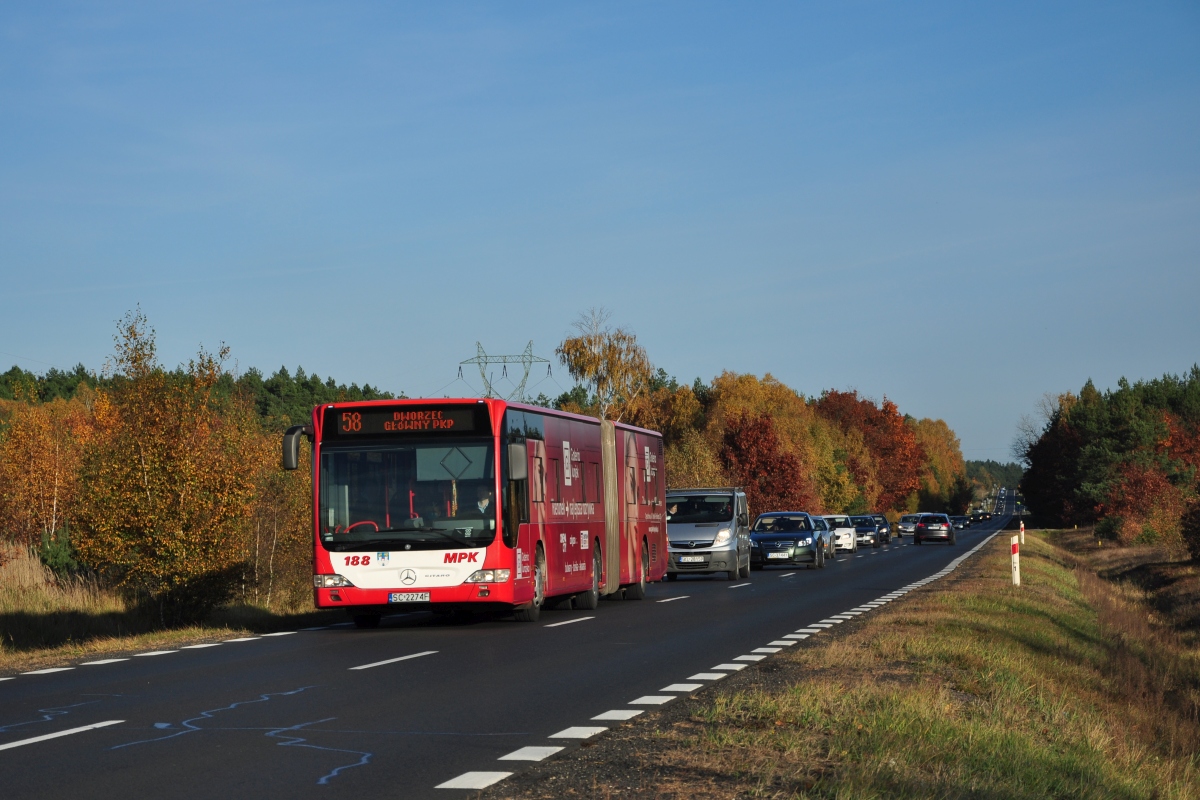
(526, 360)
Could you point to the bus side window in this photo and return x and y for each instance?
(538, 487)
(631, 492)
(594, 473)
(556, 476)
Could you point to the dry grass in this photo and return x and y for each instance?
(46, 620)
(1064, 687)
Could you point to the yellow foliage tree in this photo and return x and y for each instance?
(608, 362)
(40, 454)
(167, 492)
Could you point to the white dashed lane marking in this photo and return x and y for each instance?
(673, 599)
(787, 574)
(749, 658)
(394, 660)
(767, 650)
(652, 700)
(102, 661)
(738, 585)
(200, 646)
(154, 653)
(247, 638)
(813, 630)
(474, 780)
(706, 676)
(618, 714)
(568, 622)
(781, 643)
(681, 687)
(797, 636)
(579, 732)
(288, 633)
(68, 732)
(531, 754)
(731, 667)
(47, 670)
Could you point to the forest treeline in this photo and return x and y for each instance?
(165, 484)
(1126, 460)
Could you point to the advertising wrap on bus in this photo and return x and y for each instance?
(454, 503)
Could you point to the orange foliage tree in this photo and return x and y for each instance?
(896, 455)
(166, 490)
(753, 455)
(40, 454)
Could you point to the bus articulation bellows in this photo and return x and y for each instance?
(448, 503)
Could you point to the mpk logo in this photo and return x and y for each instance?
(459, 558)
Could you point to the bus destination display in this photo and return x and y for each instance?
(410, 420)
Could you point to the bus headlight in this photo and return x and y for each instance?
(489, 576)
(723, 537)
(330, 581)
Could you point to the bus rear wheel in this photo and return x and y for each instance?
(533, 611)
(590, 599)
(637, 591)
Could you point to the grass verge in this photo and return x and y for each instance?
(48, 621)
(971, 687)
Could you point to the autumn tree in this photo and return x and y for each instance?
(753, 458)
(40, 456)
(896, 455)
(607, 361)
(166, 489)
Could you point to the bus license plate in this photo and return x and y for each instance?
(777, 555)
(691, 559)
(408, 597)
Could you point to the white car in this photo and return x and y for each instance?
(841, 531)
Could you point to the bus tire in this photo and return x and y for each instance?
(533, 611)
(367, 621)
(590, 599)
(637, 591)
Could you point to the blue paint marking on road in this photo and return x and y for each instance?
(48, 714)
(299, 741)
(189, 725)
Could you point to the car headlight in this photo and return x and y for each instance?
(330, 581)
(753, 543)
(723, 537)
(806, 541)
(489, 576)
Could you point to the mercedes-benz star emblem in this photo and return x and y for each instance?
(408, 577)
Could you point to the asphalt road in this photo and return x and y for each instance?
(419, 702)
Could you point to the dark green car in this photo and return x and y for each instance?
(788, 538)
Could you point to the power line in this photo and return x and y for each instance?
(526, 359)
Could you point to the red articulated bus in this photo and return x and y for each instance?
(447, 504)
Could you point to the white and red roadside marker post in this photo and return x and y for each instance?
(1016, 561)
(1022, 531)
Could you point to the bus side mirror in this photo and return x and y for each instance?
(291, 445)
(518, 462)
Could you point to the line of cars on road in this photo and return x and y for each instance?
(709, 532)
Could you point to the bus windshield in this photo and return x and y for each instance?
(410, 495)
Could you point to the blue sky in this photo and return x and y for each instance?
(955, 206)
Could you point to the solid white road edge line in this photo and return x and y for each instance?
(102, 661)
(394, 660)
(46, 736)
(568, 622)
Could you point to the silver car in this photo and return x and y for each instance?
(908, 524)
(708, 530)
